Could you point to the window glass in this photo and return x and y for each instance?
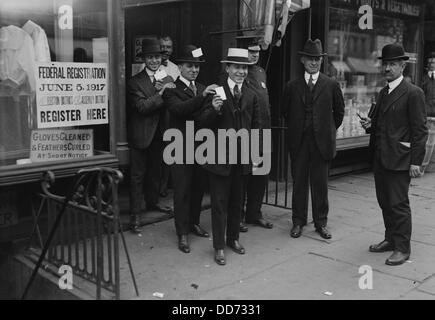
(353, 60)
(53, 80)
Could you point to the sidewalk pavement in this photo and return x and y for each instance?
(278, 267)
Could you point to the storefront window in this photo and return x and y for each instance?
(353, 62)
(53, 81)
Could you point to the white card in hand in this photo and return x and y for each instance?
(221, 93)
(161, 74)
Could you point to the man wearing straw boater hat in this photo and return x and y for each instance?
(238, 109)
(398, 137)
(189, 180)
(314, 107)
(255, 185)
(145, 116)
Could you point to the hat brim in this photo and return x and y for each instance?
(303, 53)
(394, 58)
(238, 62)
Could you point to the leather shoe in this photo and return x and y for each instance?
(243, 227)
(219, 257)
(183, 244)
(296, 231)
(397, 258)
(135, 228)
(381, 247)
(200, 232)
(236, 246)
(160, 208)
(262, 223)
(324, 233)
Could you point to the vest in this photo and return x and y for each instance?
(380, 122)
(309, 96)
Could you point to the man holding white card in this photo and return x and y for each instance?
(189, 180)
(145, 116)
(236, 108)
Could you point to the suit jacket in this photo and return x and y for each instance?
(428, 86)
(181, 104)
(145, 110)
(257, 81)
(208, 117)
(328, 112)
(405, 123)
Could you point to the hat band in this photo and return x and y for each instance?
(237, 59)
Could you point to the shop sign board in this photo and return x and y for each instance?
(58, 144)
(71, 94)
(403, 7)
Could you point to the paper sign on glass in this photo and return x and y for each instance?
(161, 74)
(221, 93)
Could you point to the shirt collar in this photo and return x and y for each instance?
(393, 84)
(429, 73)
(315, 76)
(232, 84)
(185, 81)
(149, 72)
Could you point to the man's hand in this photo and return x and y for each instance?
(217, 102)
(169, 85)
(366, 123)
(209, 90)
(414, 171)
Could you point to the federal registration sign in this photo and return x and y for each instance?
(71, 94)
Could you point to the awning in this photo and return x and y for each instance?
(341, 66)
(362, 65)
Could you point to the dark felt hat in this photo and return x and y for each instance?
(254, 46)
(313, 49)
(393, 51)
(190, 54)
(151, 46)
(430, 55)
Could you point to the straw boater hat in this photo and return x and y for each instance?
(150, 46)
(313, 49)
(393, 51)
(190, 54)
(237, 56)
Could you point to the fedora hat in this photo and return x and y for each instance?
(190, 54)
(151, 46)
(313, 49)
(393, 51)
(237, 56)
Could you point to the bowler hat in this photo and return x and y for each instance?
(313, 48)
(237, 56)
(150, 46)
(189, 55)
(393, 51)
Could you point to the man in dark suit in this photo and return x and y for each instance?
(398, 137)
(239, 111)
(255, 185)
(314, 108)
(145, 112)
(189, 180)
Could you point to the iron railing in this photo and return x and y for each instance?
(84, 229)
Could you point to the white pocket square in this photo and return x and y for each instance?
(406, 144)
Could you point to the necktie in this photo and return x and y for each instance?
(237, 93)
(311, 83)
(153, 80)
(193, 88)
(432, 75)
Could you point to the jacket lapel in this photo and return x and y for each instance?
(300, 85)
(184, 88)
(319, 86)
(229, 100)
(395, 95)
